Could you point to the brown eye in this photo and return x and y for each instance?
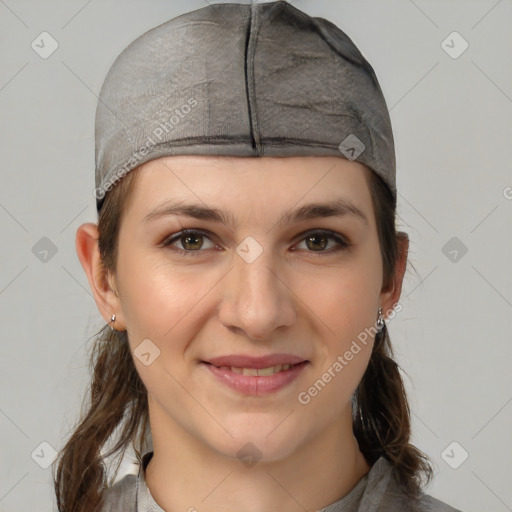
(315, 242)
(189, 240)
(318, 241)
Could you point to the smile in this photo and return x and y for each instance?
(256, 381)
(260, 372)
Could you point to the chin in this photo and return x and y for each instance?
(259, 443)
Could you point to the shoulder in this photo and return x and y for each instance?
(398, 501)
(433, 505)
(395, 499)
(122, 496)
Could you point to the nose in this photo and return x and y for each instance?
(256, 299)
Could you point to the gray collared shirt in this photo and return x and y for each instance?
(377, 491)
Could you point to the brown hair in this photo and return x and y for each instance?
(381, 414)
(118, 398)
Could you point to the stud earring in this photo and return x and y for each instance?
(380, 321)
(112, 320)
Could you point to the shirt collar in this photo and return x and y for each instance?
(145, 502)
(376, 481)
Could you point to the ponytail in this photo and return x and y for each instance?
(382, 424)
(117, 395)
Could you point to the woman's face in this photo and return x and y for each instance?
(257, 284)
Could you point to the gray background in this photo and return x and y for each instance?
(451, 118)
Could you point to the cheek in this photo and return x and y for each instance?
(347, 309)
(159, 304)
(156, 298)
(347, 302)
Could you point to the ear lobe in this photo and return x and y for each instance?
(107, 300)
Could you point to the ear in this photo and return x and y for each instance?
(101, 281)
(391, 296)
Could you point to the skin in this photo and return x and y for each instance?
(296, 297)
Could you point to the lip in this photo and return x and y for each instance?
(258, 362)
(255, 384)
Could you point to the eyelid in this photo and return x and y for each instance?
(341, 240)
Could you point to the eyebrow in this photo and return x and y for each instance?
(336, 208)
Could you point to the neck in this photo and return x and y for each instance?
(187, 475)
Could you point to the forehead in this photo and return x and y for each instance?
(249, 185)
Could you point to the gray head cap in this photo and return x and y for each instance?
(243, 80)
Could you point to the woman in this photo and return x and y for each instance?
(245, 262)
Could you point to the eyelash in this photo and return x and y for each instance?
(342, 244)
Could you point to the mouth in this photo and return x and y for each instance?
(246, 361)
(258, 372)
(256, 375)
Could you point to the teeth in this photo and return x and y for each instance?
(270, 370)
(264, 372)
